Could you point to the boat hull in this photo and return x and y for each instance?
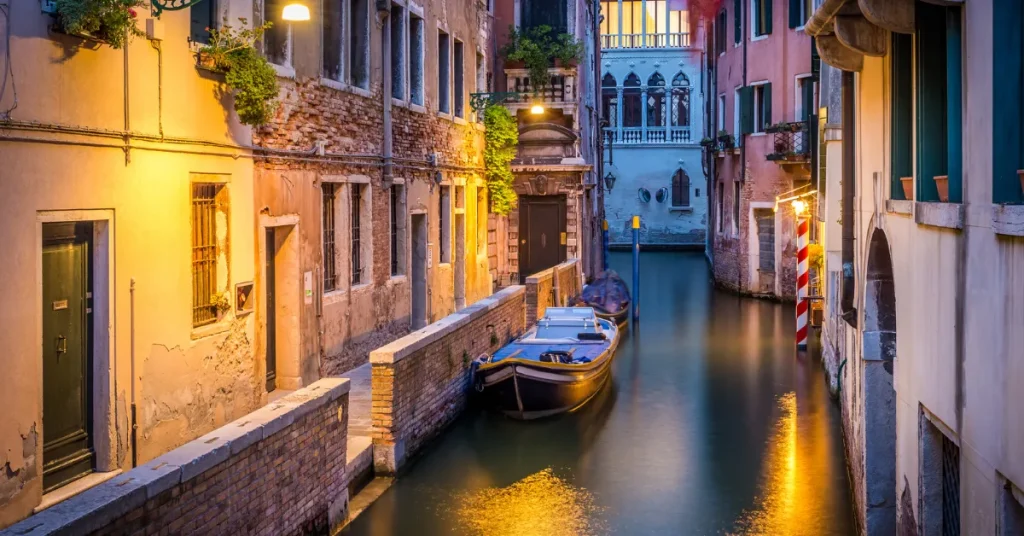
(619, 318)
(531, 390)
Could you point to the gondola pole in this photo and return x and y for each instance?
(636, 268)
(604, 245)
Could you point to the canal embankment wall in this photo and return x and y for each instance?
(543, 292)
(421, 382)
(278, 470)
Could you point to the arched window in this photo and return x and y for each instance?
(609, 99)
(656, 100)
(680, 104)
(631, 105)
(680, 189)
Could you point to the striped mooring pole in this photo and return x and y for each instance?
(802, 280)
(636, 268)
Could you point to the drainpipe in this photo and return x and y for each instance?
(743, 146)
(384, 12)
(135, 422)
(849, 312)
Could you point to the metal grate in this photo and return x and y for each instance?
(950, 488)
(357, 267)
(395, 199)
(204, 253)
(330, 264)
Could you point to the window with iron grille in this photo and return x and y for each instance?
(444, 227)
(330, 262)
(357, 202)
(680, 189)
(204, 253)
(950, 488)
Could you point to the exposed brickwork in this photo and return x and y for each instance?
(540, 289)
(425, 386)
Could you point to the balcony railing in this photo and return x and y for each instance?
(656, 135)
(649, 40)
(790, 143)
(561, 87)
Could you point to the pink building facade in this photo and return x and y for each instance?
(760, 112)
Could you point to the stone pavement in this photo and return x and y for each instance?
(359, 421)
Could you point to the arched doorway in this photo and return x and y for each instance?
(879, 359)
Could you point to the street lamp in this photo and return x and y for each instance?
(609, 181)
(799, 206)
(295, 12)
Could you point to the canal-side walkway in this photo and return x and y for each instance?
(360, 441)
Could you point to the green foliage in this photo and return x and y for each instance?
(537, 47)
(246, 71)
(110, 20)
(502, 136)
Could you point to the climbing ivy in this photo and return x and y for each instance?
(502, 136)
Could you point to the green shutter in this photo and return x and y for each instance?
(746, 110)
(767, 5)
(737, 15)
(794, 13)
(767, 104)
(954, 93)
(902, 99)
(931, 99)
(1008, 91)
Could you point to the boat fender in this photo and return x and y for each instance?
(476, 379)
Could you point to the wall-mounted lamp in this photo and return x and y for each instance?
(295, 12)
(537, 109)
(609, 181)
(799, 206)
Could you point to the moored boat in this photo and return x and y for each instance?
(609, 296)
(557, 366)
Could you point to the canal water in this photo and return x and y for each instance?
(711, 425)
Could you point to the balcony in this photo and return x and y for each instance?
(648, 135)
(790, 143)
(634, 41)
(559, 92)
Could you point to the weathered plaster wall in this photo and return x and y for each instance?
(187, 381)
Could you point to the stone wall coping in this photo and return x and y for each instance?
(97, 507)
(547, 274)
(397, 350)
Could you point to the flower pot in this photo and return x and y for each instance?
(908, 187)
(942, 185)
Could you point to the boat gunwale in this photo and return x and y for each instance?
(582, 367)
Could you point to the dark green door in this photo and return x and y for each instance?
(67, 441)
(270, 274)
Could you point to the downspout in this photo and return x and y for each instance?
(385, 39)
(127, 112)
(849, 312)
(743, 146)
(131, 385)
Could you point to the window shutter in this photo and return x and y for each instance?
(767, 104)
(746, 110)
(794, 13)
(737, 14)
(767, 6)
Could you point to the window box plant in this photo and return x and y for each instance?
(726, 140)
(908, 187)
(249, 75)
(942, 186)
(112, 22)
(539, 48)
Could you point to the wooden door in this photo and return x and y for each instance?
(270, 275)
(67, 399)
(541, 233)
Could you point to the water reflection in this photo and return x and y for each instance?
(711, 425)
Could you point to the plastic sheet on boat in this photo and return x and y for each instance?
(608, 292)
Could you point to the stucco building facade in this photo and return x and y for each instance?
(924, 297)
(651, 103)
(758, 140)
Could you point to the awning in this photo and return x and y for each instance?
(847, 30)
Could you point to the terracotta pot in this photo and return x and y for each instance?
(908, 187)
(942, 185)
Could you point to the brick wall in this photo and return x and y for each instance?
(278, 470)
(421, 382)
(540, 289)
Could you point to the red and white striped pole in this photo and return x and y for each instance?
(802, 277)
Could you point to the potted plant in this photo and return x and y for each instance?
(538, 48)
(109, 21)
(726, 139)
(706, 142)
(942, 186)
(246, 71)
(908, 187)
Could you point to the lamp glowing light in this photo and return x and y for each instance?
(537, 109)
(799, 206)
(295, 12)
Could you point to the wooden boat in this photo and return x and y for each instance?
(609, 296)
(557, 366)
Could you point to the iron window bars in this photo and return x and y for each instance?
(204, 254)
(330, 264)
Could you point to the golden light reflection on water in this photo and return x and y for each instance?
(541, 504)
(779, 509)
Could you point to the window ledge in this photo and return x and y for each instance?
(418, 108)
(459, 121)
(1008, 219)
(284, 71)
(209, 330)
(333, 84)
(759, 37)
(680, 209)
(899, 206)
(445, 115)
(757, 134)
(356, 90)
(398, 279)
(947, 215)
(398, 102)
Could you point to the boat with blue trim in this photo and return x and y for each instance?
(557, 366)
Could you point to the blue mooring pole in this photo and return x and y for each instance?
(604, 244)
(636, 268)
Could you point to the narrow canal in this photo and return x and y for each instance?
(711, 425)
